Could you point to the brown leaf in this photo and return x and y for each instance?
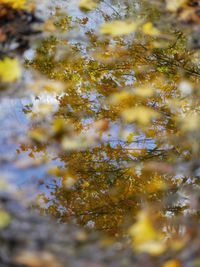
(37, 259)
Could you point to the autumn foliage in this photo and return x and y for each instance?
(120, 140)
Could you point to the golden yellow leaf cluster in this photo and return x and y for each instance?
(142, 115)
(4, 219)
(145, 237)
(19, 4)
(173, 5)
(10, 70)
(87, 5)
(172, 263)
(118, 27)
(149, 29)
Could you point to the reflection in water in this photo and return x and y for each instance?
(117, 129)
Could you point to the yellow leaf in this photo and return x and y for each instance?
(49, 26)
(59, 126)
(145, 238)
(69, 182)
(172, 263)
(118, 97)
(71, 143)
(85, 184)
(36, 259)
(54, 171)
(10, 70)
(38, 135)
(177, 244)
(143, 230)
(87, 5)
(14, 3)
(74, 143)
(130, 137)
(144, 91)
(81, 236)
(174, 5)
(118, 27)
(142, 115)
(154, 248)
(44, 108)
(190, 122)
(4, 186)
(4, 219)
(149, 29)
